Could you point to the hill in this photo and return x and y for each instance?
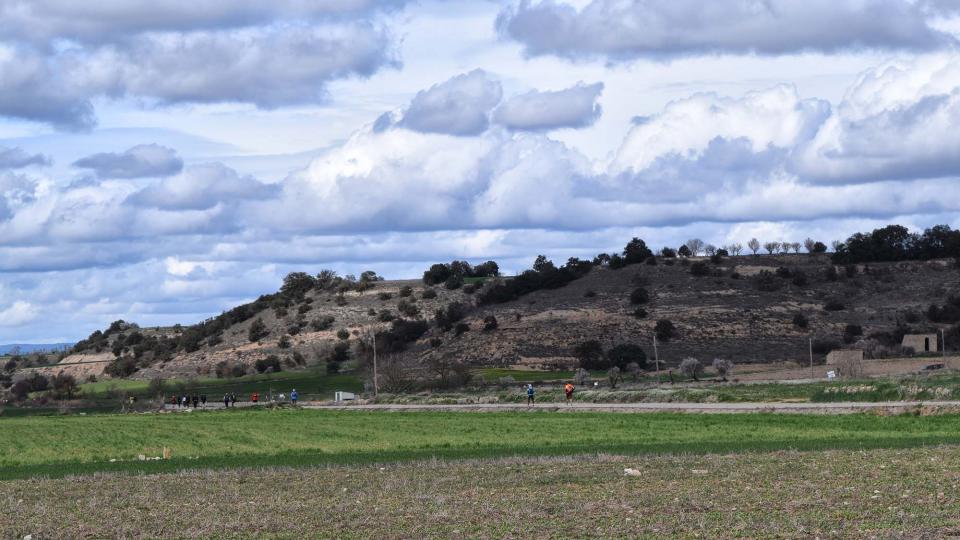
(748, 308)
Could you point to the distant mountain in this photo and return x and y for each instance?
(28, 348)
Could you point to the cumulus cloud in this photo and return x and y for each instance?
(18, 313)
(895, 123)
(202, 187)
(459, 106)
(574, 107)
(18, 158)
(40, 21)
(141, 161)
(619, 31)
(57, 59)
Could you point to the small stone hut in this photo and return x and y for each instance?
(844, 356)
(922, 343)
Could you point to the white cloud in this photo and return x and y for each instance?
(459, 106)
(574, 107)
(659, 29)
(17, 314)
(140, 161)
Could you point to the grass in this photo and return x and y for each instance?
(876, 494)
(82, 444)
(312, 384)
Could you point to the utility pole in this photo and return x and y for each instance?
(376, 384)
(656, 358)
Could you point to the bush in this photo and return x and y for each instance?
(343, 334)
(800, 321)
(453, 283)
(852, 332)
(258, 330)
(824, 346)
(340, 354)
(450, 315)
(64, 386)
(384, 296)
(469, 288)
(490, 323)
(428, 294)
(581, 377)
(834, 305)
(613, 375)
(668, 253)
(665, 330)
(461, 328)
(405, 291)
(766, 281)
(323, 323)
(122, 367)
(284, 342)
(783, 272)
(640, 313)
(407, 308)
(723, 367)
(639, 296)
(691, 367)
(800, 278)
(591, 356)
(699, 269)
(270, 364)
(830, 274)
(624, 354)
(385, 316)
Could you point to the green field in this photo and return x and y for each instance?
(59, 445)
(312, 384)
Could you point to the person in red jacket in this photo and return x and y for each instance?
(568, 390)
(255, 397)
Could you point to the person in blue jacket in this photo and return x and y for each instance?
(294, 396)
(530, 394)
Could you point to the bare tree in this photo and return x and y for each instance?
(795, 246)
(837, 245)
(784, 247)
(613, 375)
(723, 367)
(735, 249)
(771, 247)
(710, 250)
(691, 367)
(695, 245)
(809, 244)
(754, 245)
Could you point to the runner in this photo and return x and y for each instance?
(568, 390)
(293, 396)
(530, 393)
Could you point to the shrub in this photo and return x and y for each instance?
(469, 288)
(304, 308)
(830, 274)
(723, 367)
(783, 272)
(258, 330)
(699, 269)
(581, 377)
(490, 323)
(639, 296)
(799, 278)
(665, 330)
(405, 291)
(385, 316)
(384, 296)
(341, 300)
(299, 359)
(640, 313)
(613, 375)
(453, 283)
(460, 328)
(428, 294)
(343, 334)
(407, 308)
(450, 315)
(339, 355)
(834, 305)
(824, 346)
(800, 320)
(323, 323)
(668, 253)
(624, 354)
(691, 367)
(122, 367)
(64, 386)
(852, 332)
(765, 281)
(590, 355)
(270, 364)
(284, 342)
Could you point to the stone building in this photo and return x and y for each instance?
(922, 343)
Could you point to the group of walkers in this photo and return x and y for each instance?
(229, 399)
(185, 400)
(532, 392)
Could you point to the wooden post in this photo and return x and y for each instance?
(656, 358)
(810, 341)
(376, 384)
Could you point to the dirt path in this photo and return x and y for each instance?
(805, 408)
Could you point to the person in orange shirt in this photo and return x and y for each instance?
(568, 389)
(255, 398)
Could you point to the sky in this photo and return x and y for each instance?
(161, 162)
